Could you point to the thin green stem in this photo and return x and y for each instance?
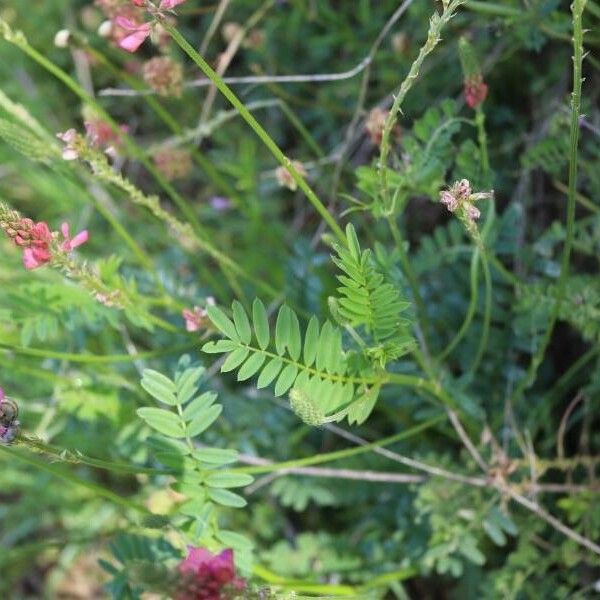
(256, 127)
(436, 24)
(577, 8)
(93, 358)
(341, 454)
(487, 317)
(411, 278)
(98, 490)
(493, 9)
(474, 282)
(482, 138)
(60, 455)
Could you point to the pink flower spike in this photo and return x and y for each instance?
(138, 33)
(169, 4)
(70, 244)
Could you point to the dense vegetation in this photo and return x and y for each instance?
(299, 299)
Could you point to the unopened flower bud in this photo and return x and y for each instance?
(105, 29)
(62, 38)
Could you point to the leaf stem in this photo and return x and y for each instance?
(256, 127)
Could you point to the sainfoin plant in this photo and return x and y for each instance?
(299, 299)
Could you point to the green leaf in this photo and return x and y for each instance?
(286, 380)
(269, 373)
(159, 387)
(187, 384)
(225, 479)
(226, 498)
(242, 324)
(232, 539)
(163, 421)
(282, 330)
(261, 324)
(196, 406)
(216, 456)
(204, 420)
(494, 532)
(222, 322)
(295, 337)
(311, 341)
(235, 359)
(220, 346)
(251, 366)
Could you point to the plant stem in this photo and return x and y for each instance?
(436, 24)
(341, 454)
(256, 127)
(577, 11)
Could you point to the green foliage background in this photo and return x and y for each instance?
(74, 366)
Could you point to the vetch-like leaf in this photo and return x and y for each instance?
(163, 421)
(261, 323)
(204, 420)
(225, 479)
(242, 324)
(159, 387)
(226, 498)
(222, 322)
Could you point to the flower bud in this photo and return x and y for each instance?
(62, 38)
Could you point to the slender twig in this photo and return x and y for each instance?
(257, 128)
(577, 11)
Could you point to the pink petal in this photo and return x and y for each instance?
(168, 4)
(81, 238)
(29, 260)
(196, 558)
(127, 24)
(132, 42)
(64, 228)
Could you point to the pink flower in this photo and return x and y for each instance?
(205, 575)
(169, 4)
(137, 33)
(36, 239)
(69, 137)
(71, 243)
(194, 319)
(139, 2)
(472, 212)
(449, 200)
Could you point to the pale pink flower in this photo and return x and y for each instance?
(195, 318)
(449, 200)
(71, 243)
(463, 189)
(137, 33)
(170, 4)
(472, 212)
(69, 137)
